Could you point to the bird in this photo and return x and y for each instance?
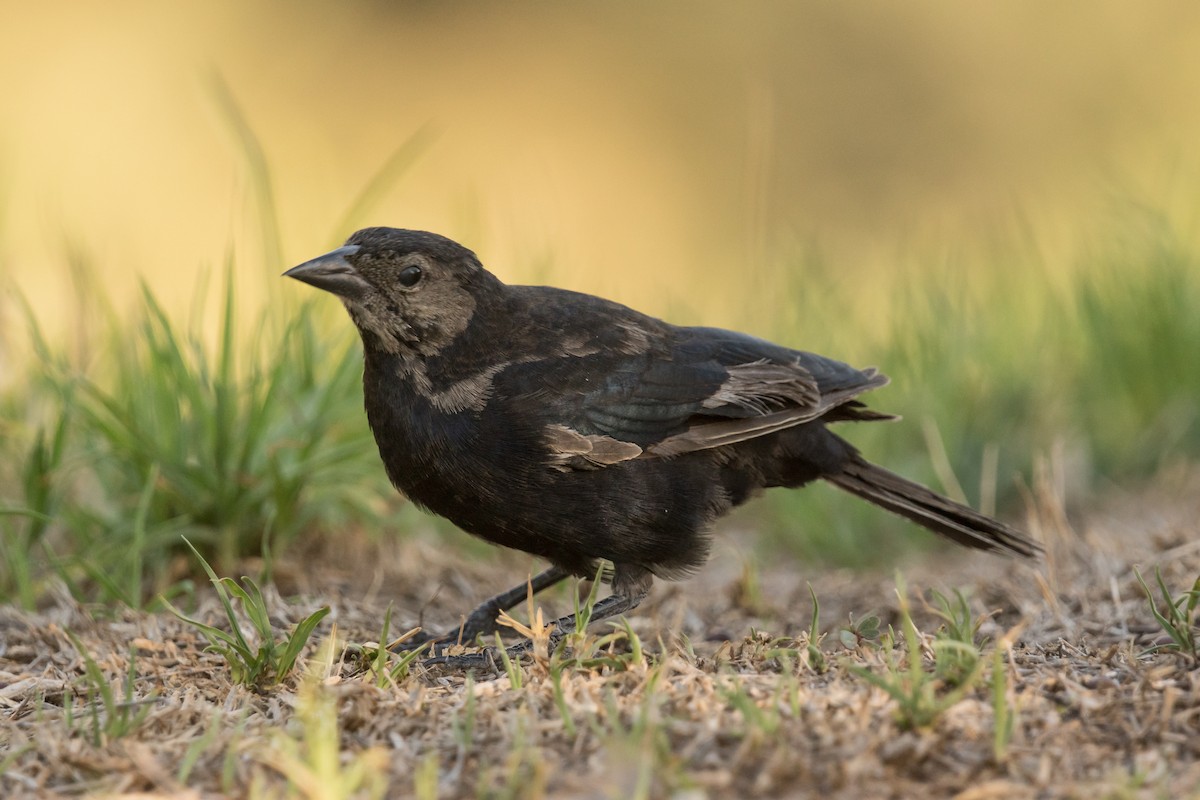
(586, 433)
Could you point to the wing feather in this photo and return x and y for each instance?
(679, 391)
(704, 435)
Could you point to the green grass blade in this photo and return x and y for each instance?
(297, 640)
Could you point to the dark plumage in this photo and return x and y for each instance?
(580, 430)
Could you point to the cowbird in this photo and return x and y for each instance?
(586, 433)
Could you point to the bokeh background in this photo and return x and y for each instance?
(996, 203)
(661, 152)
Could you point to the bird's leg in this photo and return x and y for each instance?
(629, 590)
(483, 619)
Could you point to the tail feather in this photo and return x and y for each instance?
(929, 509)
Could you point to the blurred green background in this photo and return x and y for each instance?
(995, 203)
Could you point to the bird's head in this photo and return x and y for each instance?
(409, 292)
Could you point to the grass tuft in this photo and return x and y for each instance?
(270, 660)
(956, 646)
(1176, 616)
(377, 656)
(111, 716)
(168, 436)
(919, 695)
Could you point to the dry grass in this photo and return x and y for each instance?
(726, 701)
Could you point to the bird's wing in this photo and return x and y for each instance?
(699, 389)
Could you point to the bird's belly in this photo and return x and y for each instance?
(494, 482)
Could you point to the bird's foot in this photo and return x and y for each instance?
(437, 646)
(487, 659)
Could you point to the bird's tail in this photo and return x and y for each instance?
(929, 509)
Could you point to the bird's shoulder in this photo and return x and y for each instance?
(560, 323)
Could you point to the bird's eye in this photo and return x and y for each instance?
(410, 276)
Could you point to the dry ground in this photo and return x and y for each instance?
(726, 703)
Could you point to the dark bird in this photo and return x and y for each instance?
(584, 432)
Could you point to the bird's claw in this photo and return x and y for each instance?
(482, 659)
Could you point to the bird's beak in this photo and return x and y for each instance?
(333, 273)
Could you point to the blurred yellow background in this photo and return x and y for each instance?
(656, 153)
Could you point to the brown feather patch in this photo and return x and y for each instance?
(763, 387)
(709, 434)
(570, 449)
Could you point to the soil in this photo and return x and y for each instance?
(726, 699)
